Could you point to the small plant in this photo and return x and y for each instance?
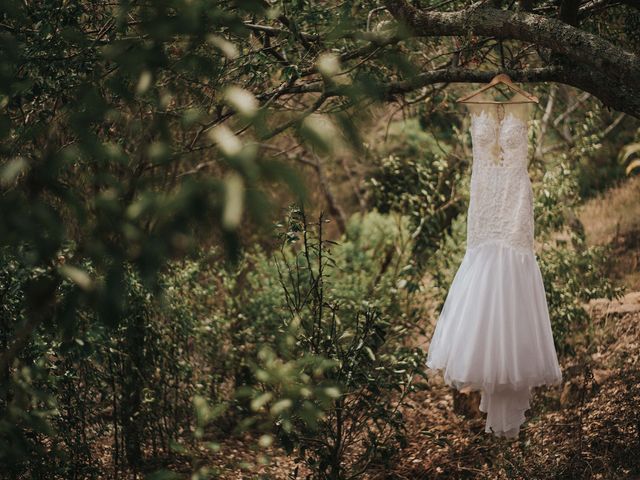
(630, 155)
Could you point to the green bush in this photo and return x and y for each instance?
(309, 343)
(572, 275)
(82, 382)
(325, 333)
(571, 270)
(420, 184)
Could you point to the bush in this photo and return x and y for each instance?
(310, 343)
(571, 270)
(337, 363)
(572, 275)
(422, 185)
(82, 381)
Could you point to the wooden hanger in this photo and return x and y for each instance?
(501, 78)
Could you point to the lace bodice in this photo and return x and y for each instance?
(499, 143)
(501, 205)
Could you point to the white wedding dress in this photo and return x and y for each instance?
(494, 332)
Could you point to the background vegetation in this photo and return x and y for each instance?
(221, 223)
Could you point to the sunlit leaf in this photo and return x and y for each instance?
(320, 131)
(230, 50)
(234, 201)
(328, 64)
(370, 353)
(260, 401)
(226, 140)
(265, 441)
(144, 82)
(11, 170)
(241, 100)
(280, 406)
(77, 276)
(332, 392)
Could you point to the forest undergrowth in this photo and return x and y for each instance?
(586, 428)
(589, 427)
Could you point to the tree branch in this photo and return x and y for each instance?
(612, 93)
(463, 75)
(559, 37)
(443, 75)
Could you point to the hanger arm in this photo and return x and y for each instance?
(504, 79)
(489, 85)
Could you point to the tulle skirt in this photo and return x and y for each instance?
(494, 333)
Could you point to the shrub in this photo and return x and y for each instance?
(339, 363)
(420, 184)
(572, 276)
(81, 381)
(571, 270)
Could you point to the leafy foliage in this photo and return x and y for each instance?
(311, 346)
(572, 277)
(356, 332)
(419, 183)
(572, 271)
(138, 313)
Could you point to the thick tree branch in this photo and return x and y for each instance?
(612, 93)
(463, 75)
(443, 75)
(579, 46)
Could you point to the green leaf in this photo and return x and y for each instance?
(280, 406)
(242, 101)
(320, 132)
(77, 276)
(234, 201)
(12, 170)
(260, 401)
(228, 143)
(227, 48)
(265, 441)
(332, 392)
(144, 82)
(370, 353)
(328, 64)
